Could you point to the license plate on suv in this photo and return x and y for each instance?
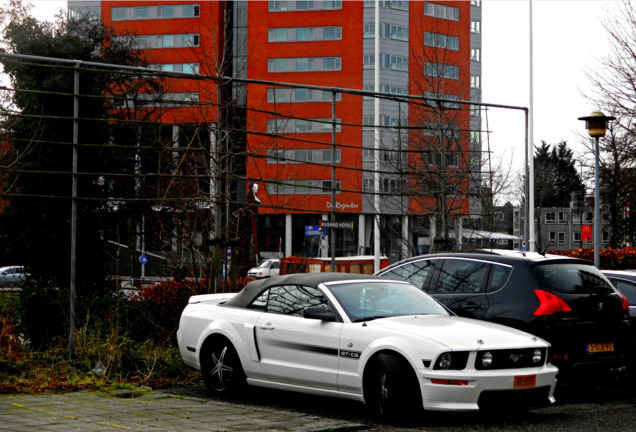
(525, 381)
(600, 347)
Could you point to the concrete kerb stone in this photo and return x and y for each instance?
(150, 411)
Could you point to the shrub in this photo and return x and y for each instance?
(154, 311)
(611, 259)
(43, 314)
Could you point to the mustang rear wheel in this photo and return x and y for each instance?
(391, 389)
(221, 367)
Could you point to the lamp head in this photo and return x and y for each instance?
(596, 124)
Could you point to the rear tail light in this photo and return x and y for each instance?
(625, 302)
(550, 304)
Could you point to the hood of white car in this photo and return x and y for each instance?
(458, 333)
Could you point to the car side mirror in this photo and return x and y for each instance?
(319, 312)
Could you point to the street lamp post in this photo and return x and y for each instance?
(596, 124)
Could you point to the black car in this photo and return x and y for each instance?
(566, 301)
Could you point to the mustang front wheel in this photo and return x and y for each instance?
(391, 390)
(221, 367)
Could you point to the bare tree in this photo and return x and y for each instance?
(614, 92)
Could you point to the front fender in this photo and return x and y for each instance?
(414, 351)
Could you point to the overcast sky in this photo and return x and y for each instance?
(568, 39)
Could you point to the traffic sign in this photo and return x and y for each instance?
(313, 230)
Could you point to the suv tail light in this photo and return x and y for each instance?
(625, 302)
(550, 304)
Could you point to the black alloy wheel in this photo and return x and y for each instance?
(221, 368)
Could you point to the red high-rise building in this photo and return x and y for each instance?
(429, 150)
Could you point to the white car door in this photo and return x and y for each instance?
(293, 349)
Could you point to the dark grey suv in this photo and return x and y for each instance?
(565, 301)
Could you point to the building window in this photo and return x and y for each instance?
(326, 156)
(368, 184)
(392, 185)
(327, 186)
(166, 41)
(304, 64)
(296, 156)
(332, 63)
(552, 237)
(576, 237)
(309, 5)
(475, 54)
(439, 40)
(475, 27)
(395, 62)
(85, 11)
(300, 95)
(605, 236)
(550, 217)
(476, 3)
(295, 34)
(332, 33)
(440, 11)
(368, 61)
(385, 88)
(288, 126)
(155, 12)
(189, 68)
(475, 81)
(499, 216)
(441, 70)
(118, 13)
(563, 217)
(561, 237)
(388, 61)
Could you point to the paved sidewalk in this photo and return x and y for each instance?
(154, 411)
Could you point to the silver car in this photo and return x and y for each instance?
(11, 276)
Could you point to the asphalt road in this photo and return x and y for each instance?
(596, 405)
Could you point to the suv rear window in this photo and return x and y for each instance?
(571, 278)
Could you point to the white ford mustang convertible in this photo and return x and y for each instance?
(381, 342)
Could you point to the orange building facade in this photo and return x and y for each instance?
(426, 49)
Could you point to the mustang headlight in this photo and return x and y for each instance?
(451, 361)
(537, 357)
(444, 361)
(486, 359)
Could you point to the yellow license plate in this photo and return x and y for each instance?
(525, 381)
(600, 347)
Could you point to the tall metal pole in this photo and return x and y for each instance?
(376, 152)
(76, 90)
(597, 210)
(332, 233)
(530, 148)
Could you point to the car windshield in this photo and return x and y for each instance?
(265, 264)
(571, 278)
(377, 299)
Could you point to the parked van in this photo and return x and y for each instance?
(267, 268)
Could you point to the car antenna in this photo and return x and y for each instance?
(542, 253)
